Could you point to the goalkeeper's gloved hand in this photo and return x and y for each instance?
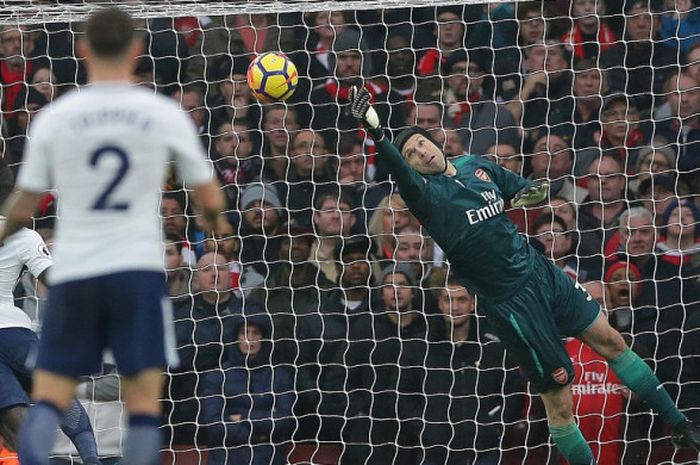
(531, 195)
(362, 110)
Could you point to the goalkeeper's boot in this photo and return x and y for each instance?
(687, 434)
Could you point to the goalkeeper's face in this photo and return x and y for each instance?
(423, 155)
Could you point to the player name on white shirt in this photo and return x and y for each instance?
(24, 248)
(106, 149)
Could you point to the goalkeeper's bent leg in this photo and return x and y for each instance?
(636, 375)
(632, 370)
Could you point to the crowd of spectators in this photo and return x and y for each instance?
(324, 314)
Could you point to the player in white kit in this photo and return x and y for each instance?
(105, 149)
(19, 343)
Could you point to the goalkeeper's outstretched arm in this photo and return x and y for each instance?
(410, 183)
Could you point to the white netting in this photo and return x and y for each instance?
(601, 98)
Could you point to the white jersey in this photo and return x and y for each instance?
(24, 248)
(106, 149)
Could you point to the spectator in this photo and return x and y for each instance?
(389, 219)
(311, 172)
(291, 290)
(590, 36)
(668, 294)
(17, 64)
(418, 251)
(385, 385)
(247, 404)
(429, 116)
(469, 106)
(454, 147)
(530, 30)
(682, 128)
(261, 225)
(553, 159)
(333, 219)
(472, 390)
(601, 210)
(657, 157)
(279, 124)
(680, 24)
(203, 334)
(400, 73)
(237, 36)
(191, 99)
(681, 231)
(352, 169)
(690, 374)
(541, 93)
(566, 210)
(507, 156)
(622, 133)
(582, 109)
(325, 27)
(552, 233)
(44, 81)
(235, 101)
(224, 241)
(659, 191)
(28, 103)
(326, 99)
(623, 281)
(599, 400)
(324, 339)
(172, 211)
(692, 62)
(234, 160)
(177, 274)
(449, 33)
(639, 65)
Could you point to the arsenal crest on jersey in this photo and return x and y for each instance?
(483, 175)
(560, 375)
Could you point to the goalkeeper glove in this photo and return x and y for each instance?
(531, 195)
(362, 110)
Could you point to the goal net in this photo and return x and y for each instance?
(325, 326)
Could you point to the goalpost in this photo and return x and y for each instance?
(331, 386)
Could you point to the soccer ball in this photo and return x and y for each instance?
(272, 76)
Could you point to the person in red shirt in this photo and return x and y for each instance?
(589, 37)
(16, 65)
(599, 402)
(450, 33)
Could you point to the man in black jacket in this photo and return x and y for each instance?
(203, 333)
(323, 336)
(471, 390)
(385, 383)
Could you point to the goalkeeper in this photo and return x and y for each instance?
(529, 302)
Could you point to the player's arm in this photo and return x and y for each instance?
(410, 183)
(195, 173)
(209, 204)
(18, 210)
(522, 192)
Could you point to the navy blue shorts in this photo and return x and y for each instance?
(18, 348)
(128, 313)
(531, 324)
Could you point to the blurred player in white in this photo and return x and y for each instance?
(106, 149)
(19, 344)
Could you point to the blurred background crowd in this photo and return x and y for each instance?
(325, 325)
